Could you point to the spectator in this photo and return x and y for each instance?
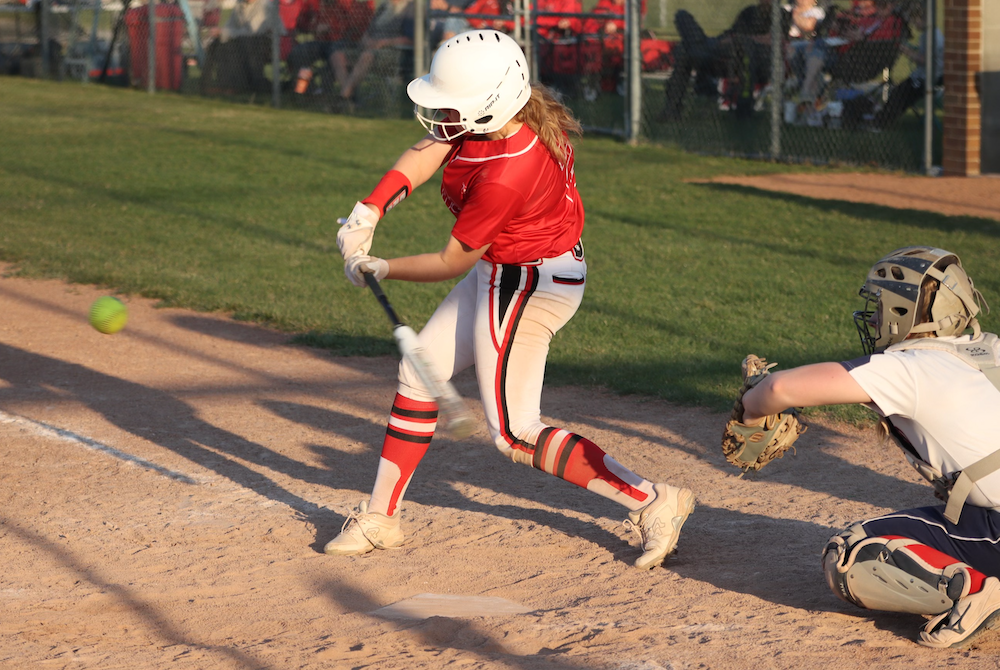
(235, 60)
(210, 13)
(807, 16)
(869, 20)
(446, 28)
(913, 88)
(497, 7)
(741, 54)
(335, 26)
(559, 48)
(556, 27)
(612, 25)
(289, 11)
(392, 26)
(603, 48)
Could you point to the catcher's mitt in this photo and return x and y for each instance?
(753, 447)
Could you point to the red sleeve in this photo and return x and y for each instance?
(546, 21)
(211, 18)
(574, 7)
(487, 211)
(305, 22)
(289, 11)
(890, 29)
(482, 7)
(330, 20)
(596, 25)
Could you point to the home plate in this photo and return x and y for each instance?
(426, 605)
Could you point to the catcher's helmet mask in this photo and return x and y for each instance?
(892, 293)
(478, 82)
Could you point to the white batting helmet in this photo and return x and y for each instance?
(482, 75)
(892, 293)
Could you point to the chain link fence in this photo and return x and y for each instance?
(808, 81)
(844, 85)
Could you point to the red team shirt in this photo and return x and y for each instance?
(513, 195)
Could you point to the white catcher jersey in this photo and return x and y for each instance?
(949, 411)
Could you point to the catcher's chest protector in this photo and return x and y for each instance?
(984, 355)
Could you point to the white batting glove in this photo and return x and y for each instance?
(356, 231)
(356, 267)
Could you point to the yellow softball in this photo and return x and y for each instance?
(108, 314)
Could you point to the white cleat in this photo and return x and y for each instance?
(364, 531)
(659, 523)
(966, 620)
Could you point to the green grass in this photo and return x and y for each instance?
(232, 208)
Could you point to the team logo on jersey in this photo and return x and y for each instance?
(578, 251)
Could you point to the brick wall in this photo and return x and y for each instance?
(963, 54)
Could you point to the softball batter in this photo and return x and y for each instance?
(509, 181)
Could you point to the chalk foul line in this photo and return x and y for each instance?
(41, 428)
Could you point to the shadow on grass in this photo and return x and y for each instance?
(879, 213)
(769, 246)
(166, 203)
(239, 140)
(704, 382)
(340, 344)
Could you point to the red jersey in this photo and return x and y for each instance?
(598, 25)
(498, 7)
(335, 20)
(548, 26)
(514, 196)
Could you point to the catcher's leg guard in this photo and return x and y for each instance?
(892, 574)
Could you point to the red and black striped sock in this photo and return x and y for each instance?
(579, 461)
(407, 437)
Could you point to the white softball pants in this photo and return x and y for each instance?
(501, 318)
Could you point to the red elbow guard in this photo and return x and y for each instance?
(390, 191)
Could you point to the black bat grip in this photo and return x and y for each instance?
(382, 300)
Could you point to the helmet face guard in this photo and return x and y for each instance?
(440, 122)
(893, 294)
(866, 320)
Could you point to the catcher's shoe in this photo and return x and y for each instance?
(966, 620)
(659, 523)
(364, 531)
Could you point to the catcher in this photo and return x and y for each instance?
(937, 391)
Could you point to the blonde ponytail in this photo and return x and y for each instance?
(550, 120)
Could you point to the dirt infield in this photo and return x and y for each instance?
(167, 492)
(953, 196)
